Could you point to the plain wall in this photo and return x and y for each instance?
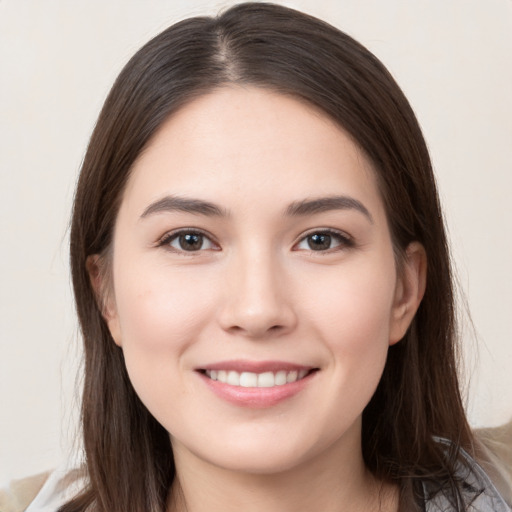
(57, 61)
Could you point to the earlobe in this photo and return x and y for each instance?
(103, 293)
(92, 265)
(410, 288)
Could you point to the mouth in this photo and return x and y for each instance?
(256, 384)
(268, 379)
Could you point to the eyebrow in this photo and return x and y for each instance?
(295, 209)
(184, 204)
(325, 204)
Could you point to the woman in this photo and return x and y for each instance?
(262, 280)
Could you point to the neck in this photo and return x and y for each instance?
(332, 481)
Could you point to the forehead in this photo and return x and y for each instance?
(240, 144)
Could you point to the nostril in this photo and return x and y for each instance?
(260, 319)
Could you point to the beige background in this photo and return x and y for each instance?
(453, 59)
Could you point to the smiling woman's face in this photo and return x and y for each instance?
(255, 292)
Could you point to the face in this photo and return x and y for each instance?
(255, 292)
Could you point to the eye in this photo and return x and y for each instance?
(188, 241)
(324, 240)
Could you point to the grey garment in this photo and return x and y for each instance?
(478, 492)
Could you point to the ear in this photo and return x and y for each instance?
(102, 287)
(410, 288)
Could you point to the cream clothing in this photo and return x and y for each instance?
(487, 484)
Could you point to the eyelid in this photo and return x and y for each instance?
(165, 240)
(346, 240)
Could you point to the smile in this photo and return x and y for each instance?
(256, 380)
(256, 384)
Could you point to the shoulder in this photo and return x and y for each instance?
(493, 450)
(18, 494)
(485, 480)
(45, 492)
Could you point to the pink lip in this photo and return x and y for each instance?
(257, 398)
(239, 365)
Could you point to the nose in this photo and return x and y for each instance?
(258, 302)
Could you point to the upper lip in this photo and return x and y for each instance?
(255, 366)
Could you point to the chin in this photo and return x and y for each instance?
(260, 461)
(265, 452)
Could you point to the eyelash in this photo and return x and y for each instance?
(343, 240)
(175, 235)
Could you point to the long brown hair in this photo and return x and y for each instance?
(128, 454)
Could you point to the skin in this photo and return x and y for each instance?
(255, 290)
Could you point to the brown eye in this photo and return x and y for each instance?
(319, 242)
(324, 241)
(188, 241)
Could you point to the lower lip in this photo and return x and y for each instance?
(257, 398)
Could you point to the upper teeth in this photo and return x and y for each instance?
(256, 380)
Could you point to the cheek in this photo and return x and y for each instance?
(353, 306)
(352, 315)
(160, 315)
(158, 308)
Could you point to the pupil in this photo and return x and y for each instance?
(191, 242)
(318, 242)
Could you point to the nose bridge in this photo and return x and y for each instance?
(257, 301)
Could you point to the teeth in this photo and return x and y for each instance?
(234, 378)
(292, 376)
(280, 378)
(266, 380)
(249, 380)
(256, 380)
